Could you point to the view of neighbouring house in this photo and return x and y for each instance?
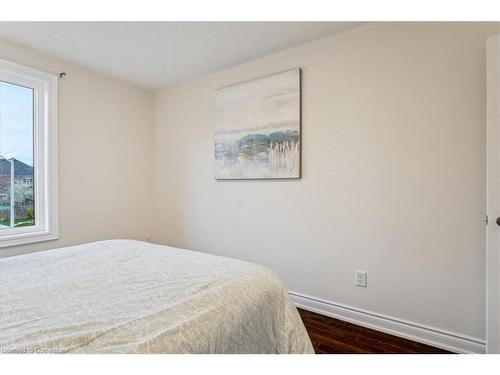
(24, 212)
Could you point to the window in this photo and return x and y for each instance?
(28, 163)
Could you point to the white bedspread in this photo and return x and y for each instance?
(126, 296)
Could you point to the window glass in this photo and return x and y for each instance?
(17, 199)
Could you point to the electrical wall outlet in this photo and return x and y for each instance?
(360, 278)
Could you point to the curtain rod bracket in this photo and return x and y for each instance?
(61, 75)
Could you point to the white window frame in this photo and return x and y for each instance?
(44, 87)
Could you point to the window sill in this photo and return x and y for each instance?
(27, 238)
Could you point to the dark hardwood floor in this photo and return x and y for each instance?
(333, 336)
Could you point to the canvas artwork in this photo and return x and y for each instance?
(257, 128)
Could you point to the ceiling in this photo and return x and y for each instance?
(159, 54)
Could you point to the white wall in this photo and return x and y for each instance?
(393, 174)
(105, 154)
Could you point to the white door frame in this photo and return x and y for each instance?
(493, 197)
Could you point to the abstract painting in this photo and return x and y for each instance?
(257, 128)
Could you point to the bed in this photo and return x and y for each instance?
(125, 296)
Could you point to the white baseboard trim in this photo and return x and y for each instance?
(451, 341)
